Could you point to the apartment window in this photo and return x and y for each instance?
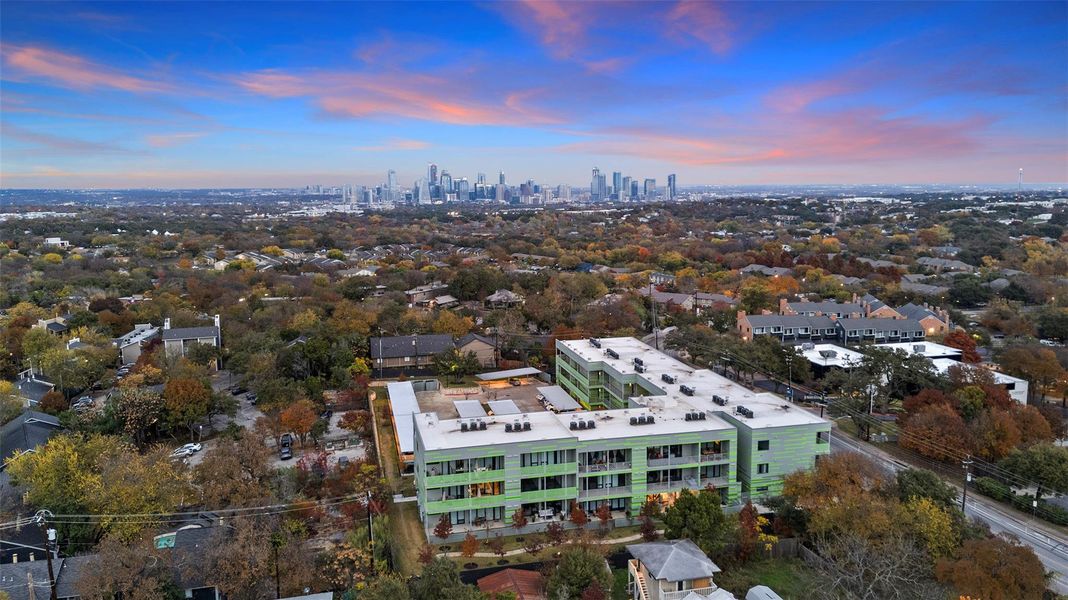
(823, 437)
(790, 331)
(763, 444)
(407, 359)
(762, 469)
(762, 489)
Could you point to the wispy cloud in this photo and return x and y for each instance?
(55, 144)
(702, 21)
(395, 144)
(167, 140)
(69, 70)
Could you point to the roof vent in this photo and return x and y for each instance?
(463, 426)
(590, 424)
(685, 389)
(669, 378)
(573, 426)
(508, 427)
(526, 426)
(596, 343)
(720, 400)
(611, 352)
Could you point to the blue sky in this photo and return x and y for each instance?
(276, 94)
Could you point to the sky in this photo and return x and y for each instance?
(273, 94)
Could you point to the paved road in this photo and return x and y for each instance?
(1050, 547)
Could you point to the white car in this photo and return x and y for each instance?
(186, 450)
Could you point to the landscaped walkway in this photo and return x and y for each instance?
(622, 540)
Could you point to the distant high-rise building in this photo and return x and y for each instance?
(463, 189)
(481, 178)
(446, 183)
(624, 188)
(563, 193)
(432, 174)
(423, 192)
(500, 178)
(391, 186)
(634, 189)
(650, 189)
(617, 183)
(501, 191)
(597, 186)
(672, 193)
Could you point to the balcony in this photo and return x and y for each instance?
(564, 493)
(567, 468)
(673, 461)
(670, 486)
(607, 492)
(453, 504)
(604, 467)
(721, 457)
(478, 475)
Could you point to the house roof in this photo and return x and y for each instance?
(410, 345)
(826, 307)
(26, 432)
(881, 324)
(33, 389)
(527, 585)
(472, 337)
(504, 296)
(674, 560)
(916, 311)
(57, 327)
(790, 321)
(187, 333)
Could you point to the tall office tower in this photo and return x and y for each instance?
(563, 192)
(446, 183)
(634, 189)
(423, 192)
(500, 178)
(671, 192)
(624, 189)
(546, 195)
(481, 178)
(463, 189)
(501, 190)
(598, 186)
(650, 189)
(525, 189)
(617, 184)
(391, 186)
(432, 174)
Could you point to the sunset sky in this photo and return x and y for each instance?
(276, 94)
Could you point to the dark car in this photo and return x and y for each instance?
(286, 440)
(285, 453)
(326, 414)
(237, 391)
(515, 381)
(252, 397)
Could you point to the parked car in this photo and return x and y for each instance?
(252, 397)
(326, 414)
(285, 453)
(186, 450)
(342, 462)
(238, 390)
(286, 440)
(514, 381)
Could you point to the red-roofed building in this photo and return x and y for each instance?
(526, 585)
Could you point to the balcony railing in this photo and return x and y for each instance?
(722, 456)
(671, 461)
(664, 486)
(604, 467)
(679, 595)
(621, 490)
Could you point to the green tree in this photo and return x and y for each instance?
(1044, 464)
(456, 364)
(579, 569)
(385, 587)
(441, 581)
(921, 483)
(699, 518)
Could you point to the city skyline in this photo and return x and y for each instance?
(108, 95)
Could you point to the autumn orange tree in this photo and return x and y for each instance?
(752, 536)
(469, 546)
(299, 418)
(187, 401)
(997, 568)
(961, 340)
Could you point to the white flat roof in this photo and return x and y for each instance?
(769, 410)
(504, 407)
(509, 373)
(403, 404)
(559, 398)
(469, 409)
(928, 349)
(942, 365)
(830, 355)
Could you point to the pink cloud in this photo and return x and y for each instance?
(55, 144)
(167, 140)
(408, 95)
(68, 70)
(703, 21)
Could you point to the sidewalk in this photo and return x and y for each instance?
(607, 541)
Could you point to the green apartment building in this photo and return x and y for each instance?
(654, 426)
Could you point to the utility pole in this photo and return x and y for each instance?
(275, 542)
(966, 463)
(42, 519)
(371, 532)
(656, 330)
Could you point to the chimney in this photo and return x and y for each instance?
(167, 323)
(854, 297)
(740, 315)
(783, 307)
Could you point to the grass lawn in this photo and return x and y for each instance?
(790, 578)
(403, 518)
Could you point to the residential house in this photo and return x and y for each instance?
(426, 292)
(54, 242)
(131, 344)
(524, 584)
(765, 270)
(924, 288)
(368, 271)
(933, 320)
(684, 301)
(503, 299)
(879, 263)
(864, 330)
(29, 580)
(787, 328)
(56, 325)
(25, 433)
(671, 570)
(704, 301)
(177, 342)
(944, 264)
(31, 387)
(418, 351)
(877, 309)
(945, 251)
(658, 278)
(483, 347)
(322, 263)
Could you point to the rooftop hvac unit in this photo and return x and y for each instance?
(573, 426)
(669, 378)
(612, 353)
(808, 346)
(633, 421)
(590, 425)
(526, 426)
(828, 353)
(650, 419)
(701, 416)
(641, 420)
(639, 368)
(463, 427)
(517, 426)
(689, 416)
(745, 412)
(482, 425)
(582, 424)
(685, 389)
(720, 400)
(596, 343)
(918, 348)
(639, 362)
(508, 427)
